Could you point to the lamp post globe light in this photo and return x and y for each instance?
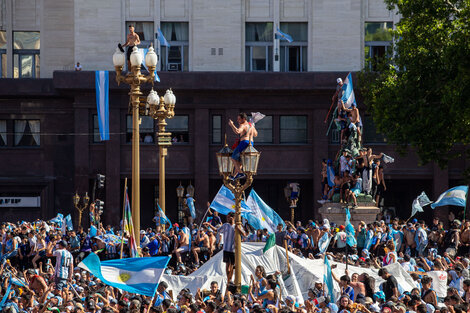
(134, 78)
(161, 109)
(250, 158)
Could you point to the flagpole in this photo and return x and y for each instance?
(202, 221)
(123, 216)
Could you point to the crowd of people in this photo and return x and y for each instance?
(355, 170)
(41, 260)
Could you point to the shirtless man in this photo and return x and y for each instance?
(465, 239)
(409, 234)
(427, 294)
(131, 41)
(246, 132)
(203, 244)
(354, 118)
(36, 283)
(212, 240)
(183, 245)
(359, 287)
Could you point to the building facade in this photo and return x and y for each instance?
(223, 58)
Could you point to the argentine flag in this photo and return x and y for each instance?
(328, 279)
(102, 102)
(163, 219)
(162, 39)
(134, 275)
(224, 202)
(58, 219)
(191, 207)
(348, 94)
(349, 229)
(262, 216)
(283, 36)
(455, 196)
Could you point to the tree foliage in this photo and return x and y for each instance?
(420, 96)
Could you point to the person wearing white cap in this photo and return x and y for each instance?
(144, 240)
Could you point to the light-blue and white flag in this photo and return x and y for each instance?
(163, 219)
(418, 203)
(191, 207)
(455, 196)
(262, 216)
(134, 275)
(68, 222)
(144, 53)
(58, 219)
(348, 94)
(93, 231)
(324, 242)
(387, 158)
(330, 173)
(162, 39)
(224, 202)
(328, 279)
(349, 229)
(282, 36)
(102, 102)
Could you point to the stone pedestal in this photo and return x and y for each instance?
(336, 213)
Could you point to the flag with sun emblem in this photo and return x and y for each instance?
(262, 216)
(129, 228)
(134, 275)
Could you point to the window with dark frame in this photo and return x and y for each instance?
(3, 54)
(259, 47)
(293, 55)
(146, 130)
(293, 129)
(26, 51)
(176, 56)
(3, 133)
(265, 130)
(216, 128)
(27, 133)
(179, 128)
(145, 30)
(96, 129)
(377, 42)
(369, 132)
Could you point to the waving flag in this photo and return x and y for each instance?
(144, 53)
(348, 94)
(419, 202)
(58, 219)
(161, 217)
(129, 228)
(102, 102)
(93, 231)
(134, 275)
(328, 279)
(261, 215)
(162, 39)
(349, 229)
(224, 202)
(323, 243)
(191, 207)
(68, 222)
(330, 173)
(283, 36)
(455, 196)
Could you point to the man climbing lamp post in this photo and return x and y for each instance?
(249, 159)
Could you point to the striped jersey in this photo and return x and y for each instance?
(62, 264)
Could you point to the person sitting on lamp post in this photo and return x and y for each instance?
(246, 132)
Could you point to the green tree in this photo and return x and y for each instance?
(420, 96)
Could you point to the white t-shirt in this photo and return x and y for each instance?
(228, 231)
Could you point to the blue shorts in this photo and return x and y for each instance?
(239, 149)
(294, 195)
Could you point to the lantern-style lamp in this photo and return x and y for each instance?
(190, 190)
(180, 191)
(250, 159)
(224, 160)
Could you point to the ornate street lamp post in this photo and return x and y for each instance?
(161, 109)
(250, 159)
(134, 79)
(80, 208)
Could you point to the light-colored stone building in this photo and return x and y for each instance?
(38, 37)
